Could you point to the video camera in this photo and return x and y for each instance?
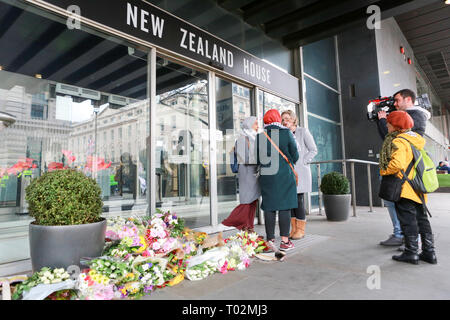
(380, 104)
(387, 104)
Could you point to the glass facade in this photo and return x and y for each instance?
(182, 143)
(323, 107)
(80, 99)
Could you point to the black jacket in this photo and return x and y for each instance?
(419, 115)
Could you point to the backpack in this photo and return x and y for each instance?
(424, 177)
(234, 162)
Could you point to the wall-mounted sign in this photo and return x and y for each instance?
(151, 24)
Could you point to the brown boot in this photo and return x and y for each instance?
(300, 229)
(293, 227)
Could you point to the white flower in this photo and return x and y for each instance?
(46, 281)
(47, 274)
(56, 281)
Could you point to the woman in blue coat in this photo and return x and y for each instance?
(277, 180)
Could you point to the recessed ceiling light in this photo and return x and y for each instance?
(387, 72)
(396, 84)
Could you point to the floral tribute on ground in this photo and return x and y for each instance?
(143, 254)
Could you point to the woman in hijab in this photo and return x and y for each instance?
(277, 154)
(242, 217)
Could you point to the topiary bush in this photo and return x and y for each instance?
(64, 197)
(334, 183)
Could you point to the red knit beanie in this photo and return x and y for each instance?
(273, 115)
(400, 119)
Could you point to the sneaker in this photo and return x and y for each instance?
(392, 241)
(271, 245)
(285, 246)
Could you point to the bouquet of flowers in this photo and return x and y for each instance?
(44, 276)
(237, 258)
(202, 270)
(252, 243)
(95, 286)
(111, 269)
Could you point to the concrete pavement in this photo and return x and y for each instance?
(334, 265)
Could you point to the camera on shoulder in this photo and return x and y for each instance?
(380, 104)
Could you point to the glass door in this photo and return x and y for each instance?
(182, 142)
(233, 105)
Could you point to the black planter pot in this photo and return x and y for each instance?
(337, 206)
(63, 246)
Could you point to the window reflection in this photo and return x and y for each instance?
(182, 146)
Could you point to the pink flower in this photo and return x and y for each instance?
(156, 246)
(224, 268)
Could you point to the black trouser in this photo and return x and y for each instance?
(299, 212)
(283, 221)
(412, 216)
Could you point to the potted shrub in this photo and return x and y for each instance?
(66, 206)
(336, 196)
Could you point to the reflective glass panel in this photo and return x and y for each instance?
(182, 142)
(79, 100)
(269, 101)
(322, 101)
(319, 61)
(329, 146)
(232, 107)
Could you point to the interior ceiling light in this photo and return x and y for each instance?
(38, 76)
(447, 1)
(387, 72)
(1, 68)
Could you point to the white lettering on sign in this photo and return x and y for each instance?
(198, 45)
(133, 17)
(256, 71)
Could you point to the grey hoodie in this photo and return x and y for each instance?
(419, 115)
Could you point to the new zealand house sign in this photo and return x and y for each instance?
(149, 23)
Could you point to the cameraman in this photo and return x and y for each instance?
(403, 100)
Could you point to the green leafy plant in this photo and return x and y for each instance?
(64, 197)
(334, 183)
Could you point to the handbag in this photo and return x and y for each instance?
(285, 158)
(391, 185)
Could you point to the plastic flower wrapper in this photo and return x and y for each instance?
(252, 243)
(150, 271)
(43, 283)
(94, 286)
(115, 270)
(201, 271)
(237, 258)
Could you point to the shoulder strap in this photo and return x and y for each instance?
(278, 149)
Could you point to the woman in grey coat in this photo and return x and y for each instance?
(307, 151)
(242, 217)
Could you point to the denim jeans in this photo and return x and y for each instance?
(395, 222)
